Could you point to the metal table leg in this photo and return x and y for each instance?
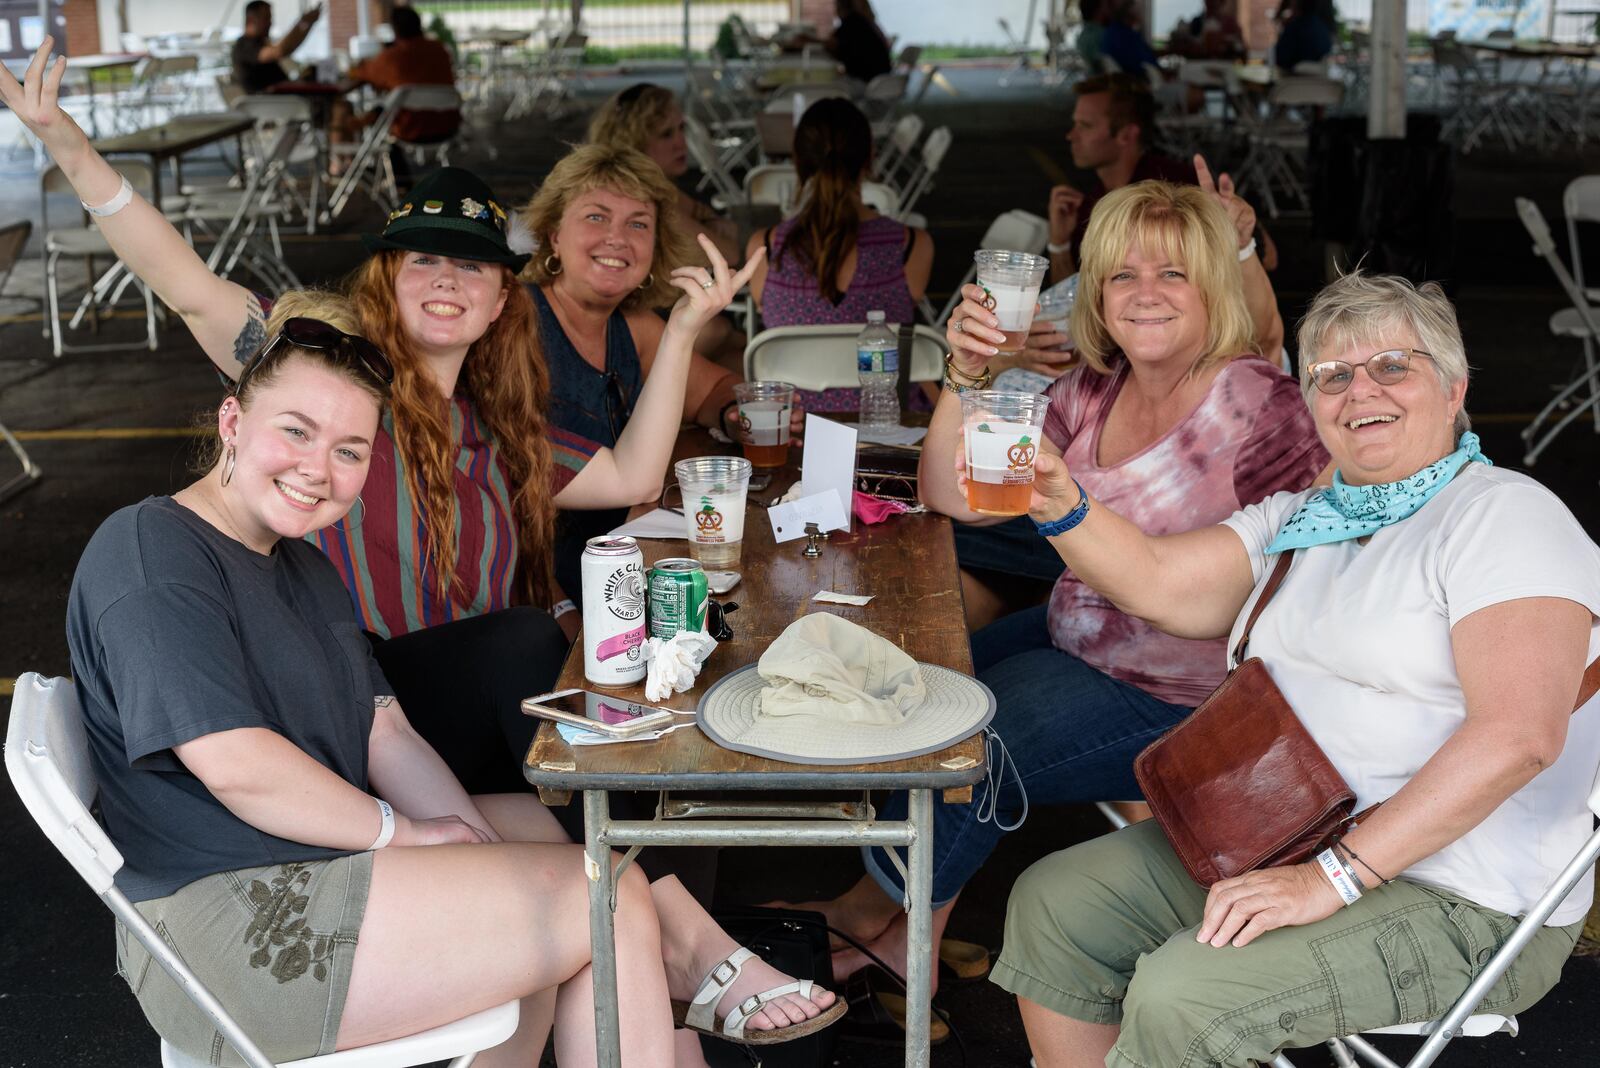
(919, 957)
(602, 933)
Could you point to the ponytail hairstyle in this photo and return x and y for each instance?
(832, 148)
(504, 374)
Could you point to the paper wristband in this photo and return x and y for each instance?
(1334, 869)
(386, 832)
(115, 204)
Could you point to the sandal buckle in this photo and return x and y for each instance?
(750, 1006)
(724, 974)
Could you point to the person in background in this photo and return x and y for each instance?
(257, 61)
(837, 259)
(1213, 34)
(1090, 32)
(1123, 41)
(1113, 127)
(648, 119)
(412, 58)
(858, 42)
(1306, 35)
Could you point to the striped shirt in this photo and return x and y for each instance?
(379, 550)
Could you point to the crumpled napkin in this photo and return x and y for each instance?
(870, 509)
(674, 664)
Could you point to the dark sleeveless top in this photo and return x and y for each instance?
(592, 404)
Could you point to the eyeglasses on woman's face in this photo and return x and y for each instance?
(1386, 368)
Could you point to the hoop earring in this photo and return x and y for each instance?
(552, 264)
(649, 280)
(351, 528)
(229, 460)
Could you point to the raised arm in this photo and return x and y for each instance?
(1258, 294)
(631, 472)
(224, 317)
(286, 44)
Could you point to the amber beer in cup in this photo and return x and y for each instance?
(1012, 280)
(1002, 432)
(764, 409)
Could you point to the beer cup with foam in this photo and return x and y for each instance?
(1002, 432)
(714, 490)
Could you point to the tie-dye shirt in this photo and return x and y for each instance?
(1250, 437)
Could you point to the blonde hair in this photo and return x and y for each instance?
(330, 307)
(630, 118)
(626, 172)
(1367, 309)
(1189, 227)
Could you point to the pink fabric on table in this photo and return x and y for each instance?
(871, 510)
(1250, 437)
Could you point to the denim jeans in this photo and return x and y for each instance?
(1072, 732)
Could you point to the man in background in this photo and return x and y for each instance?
(256, 59)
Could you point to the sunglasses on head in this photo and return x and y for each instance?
(303, 333)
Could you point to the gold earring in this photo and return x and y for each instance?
(552, 264)
(228, 461)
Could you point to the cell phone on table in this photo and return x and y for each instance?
(604, 713)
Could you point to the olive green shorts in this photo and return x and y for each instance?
(274, 945)
(1104, 932)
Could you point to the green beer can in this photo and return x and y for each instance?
(677, 597)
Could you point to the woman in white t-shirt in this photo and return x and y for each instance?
(1431, 635)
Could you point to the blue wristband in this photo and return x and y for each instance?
(1068, 521)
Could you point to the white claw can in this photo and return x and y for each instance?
(613, 611)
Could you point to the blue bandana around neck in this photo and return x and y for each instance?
(1344, 511)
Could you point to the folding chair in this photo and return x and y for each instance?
(86, 243)
(1279, 143)
(47, 757)
(1482, 101)
(272, 111)
(921, 178)
(899, 149)
(13, 238)
(772, 183)
(365, 168)
(241, 215)
(703, 150)
(1582, 320)
(437, 99)
(1017, 230)
(824, 357)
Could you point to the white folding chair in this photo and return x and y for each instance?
(437, 99)
(824, 357)
(775, 184)
(899, 149)
(703, 150)
(272, 111)
(365, 168)
(882, 198)
(237, 218)
(1017, 230)
(13, 238)
(88, 243)
(921, 178)
(1581, 321)
(47, 757)
(1280, 143)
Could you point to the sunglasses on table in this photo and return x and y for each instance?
(1385, 368)
(303, 333)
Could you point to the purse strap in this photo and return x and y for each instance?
(1587, 688)
(1273, 582)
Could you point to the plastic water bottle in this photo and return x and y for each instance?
(878, 364)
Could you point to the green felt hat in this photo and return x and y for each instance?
(450, 212)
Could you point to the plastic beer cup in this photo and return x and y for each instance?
(1012, 280)
(1002, 432)
(764, 409)
(714, 490)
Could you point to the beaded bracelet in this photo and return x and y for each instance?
(1068, 521)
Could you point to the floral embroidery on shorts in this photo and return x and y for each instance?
(279, 932)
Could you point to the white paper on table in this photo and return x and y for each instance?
(828, 461)
(789, 518)
(830, 597)
(660, 524)
(894, 435)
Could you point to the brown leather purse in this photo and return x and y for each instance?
(1240, 784)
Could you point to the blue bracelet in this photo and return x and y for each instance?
(1068, 521)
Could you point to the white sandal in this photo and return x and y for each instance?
(701, 1015)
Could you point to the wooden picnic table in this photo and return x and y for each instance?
(908, 565)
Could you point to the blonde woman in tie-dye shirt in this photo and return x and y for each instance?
(1174, 421)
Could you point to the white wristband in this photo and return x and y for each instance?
(561, 608)
(123, 198)
(1248, 251)
(1334, 869)
(386, 832)
(1056, 250)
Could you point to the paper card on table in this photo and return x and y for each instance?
(657, 524)
(789, 519)
(829, 461)
(830, 597)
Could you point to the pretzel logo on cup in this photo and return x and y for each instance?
(1020, 455)
(708, 519)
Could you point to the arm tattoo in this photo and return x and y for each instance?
(253, 333)
(382, 701)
